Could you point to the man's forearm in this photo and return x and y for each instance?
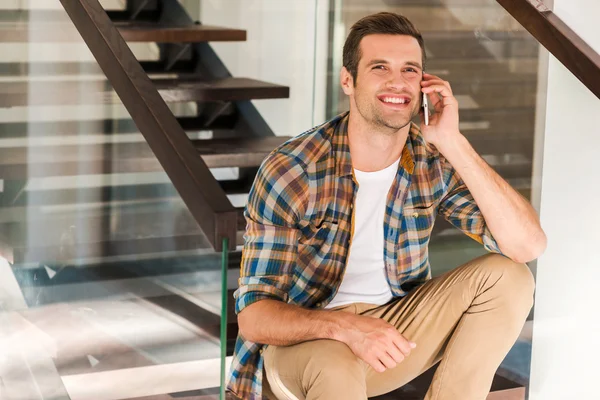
(511, 219)
(277, 323)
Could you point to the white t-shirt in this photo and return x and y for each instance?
(365, 278)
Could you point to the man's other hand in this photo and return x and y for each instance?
(373, 340)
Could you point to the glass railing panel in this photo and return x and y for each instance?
(108, 287)
(491, 62)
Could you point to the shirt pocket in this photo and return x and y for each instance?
(320, 235)
(420, 217)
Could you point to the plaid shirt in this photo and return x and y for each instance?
(300, 224)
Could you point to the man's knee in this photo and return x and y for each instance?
(318, 365)
(334, 363)
(511, 279)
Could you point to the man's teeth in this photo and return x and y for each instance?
(394, 100)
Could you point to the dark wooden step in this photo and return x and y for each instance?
(172, 90)
(483, 45)
(237, 152)
(107, 127)
(107, 194)
(499, 94)
(136, 31)
(40, 68)
(40, 28)
(508, 70)
(228, 89)
(40, 161)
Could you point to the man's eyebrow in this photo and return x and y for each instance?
(414, 64)
(381, 61)
(377, 61)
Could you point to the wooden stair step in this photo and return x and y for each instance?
(136, 31)
(127, 193)
(41, 161)
(499, 94)
(508, 122)
(486, 145)
(14, 94)
(228, 89)
(56, 26)
(106, 126)
(467, 45)
(237, 152)
(511, 70)
(40, 68)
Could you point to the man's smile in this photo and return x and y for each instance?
(395, 101)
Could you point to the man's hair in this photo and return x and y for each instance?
(386, 23)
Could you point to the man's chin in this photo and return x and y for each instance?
(394, 124)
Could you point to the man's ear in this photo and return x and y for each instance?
(346, 81)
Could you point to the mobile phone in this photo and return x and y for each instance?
(425, 109)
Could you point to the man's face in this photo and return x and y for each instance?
(387, 91)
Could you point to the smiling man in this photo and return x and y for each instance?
(336, 299)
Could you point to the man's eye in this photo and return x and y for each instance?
(379, 67)
(411, 70)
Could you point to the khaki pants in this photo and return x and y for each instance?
(468, 318)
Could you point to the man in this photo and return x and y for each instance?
(335, 298)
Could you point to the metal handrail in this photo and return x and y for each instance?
(187, 171)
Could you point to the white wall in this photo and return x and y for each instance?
(280, 48)
(566, 351)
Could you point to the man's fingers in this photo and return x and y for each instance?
(439, 88)
(436, 102)
(403, 345)
(387, 360)
(436, 81)
(376, 364)
(396, 354)
(447, 97)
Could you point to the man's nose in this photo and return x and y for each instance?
(397, 82)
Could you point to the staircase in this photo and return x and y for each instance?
(94, 230)
(97, 233)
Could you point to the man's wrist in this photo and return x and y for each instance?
(453, 144)
(338, 326)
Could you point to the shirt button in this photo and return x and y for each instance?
(415, 214)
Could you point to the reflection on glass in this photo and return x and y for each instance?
(491, 63)
(108, 288)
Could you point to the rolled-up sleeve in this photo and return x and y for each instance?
(275, 204)
(460, 209)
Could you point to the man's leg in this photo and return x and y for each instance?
(318, 369)
(469, 318)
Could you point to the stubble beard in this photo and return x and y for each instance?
(390, 126)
